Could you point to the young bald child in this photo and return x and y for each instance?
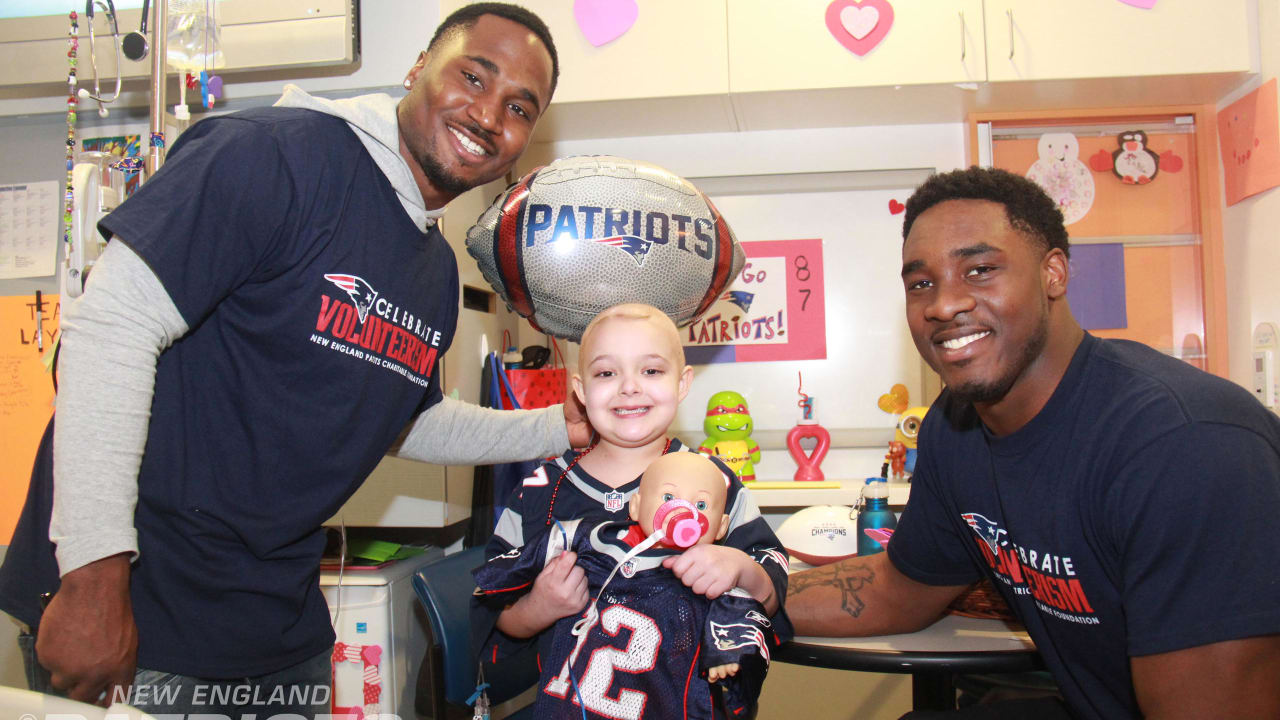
(647, 646)
(631, 378)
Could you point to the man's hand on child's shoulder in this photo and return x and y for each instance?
(709, 570)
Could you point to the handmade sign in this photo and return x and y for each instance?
(773, 310)
(1249, 135)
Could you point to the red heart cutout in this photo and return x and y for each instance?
(1170, 162)
(859, 26)
(895, 207)
(1100, 161)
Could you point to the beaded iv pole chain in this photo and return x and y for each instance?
(73, 42)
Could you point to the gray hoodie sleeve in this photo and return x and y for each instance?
(453, 432)
(111, 337)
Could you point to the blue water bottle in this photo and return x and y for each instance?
(874, 515)
(511, 358)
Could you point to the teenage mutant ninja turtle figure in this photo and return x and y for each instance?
(728, 429)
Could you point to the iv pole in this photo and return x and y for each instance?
(83, 242)
(159, 58)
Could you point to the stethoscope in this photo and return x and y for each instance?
(134, 44)
(110, 9)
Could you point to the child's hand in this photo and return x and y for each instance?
(709, 570)
(559, 590)
(722, 671)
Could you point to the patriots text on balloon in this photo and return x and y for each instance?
(546, 224)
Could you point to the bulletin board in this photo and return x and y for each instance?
(1146, 237)
(836, 239)
(26, 397)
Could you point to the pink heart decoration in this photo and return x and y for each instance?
(859, 26)
(371, 654)
(603, 21)
(807, 463)
(1144, 4)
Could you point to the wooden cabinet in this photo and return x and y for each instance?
(777, 46)
(1038, 40)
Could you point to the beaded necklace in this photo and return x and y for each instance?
(73, 42)
(556, 489)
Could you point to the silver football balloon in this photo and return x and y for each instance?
(587, 232)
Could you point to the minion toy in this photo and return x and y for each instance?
(728, 429)
(902, 449)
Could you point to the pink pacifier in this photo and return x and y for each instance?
(682, 524)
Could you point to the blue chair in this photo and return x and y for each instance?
(447, 677)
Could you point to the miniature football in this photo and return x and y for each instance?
(820, 534)
(587, 232)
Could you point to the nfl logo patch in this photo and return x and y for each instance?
(628, 568)
(613, 501)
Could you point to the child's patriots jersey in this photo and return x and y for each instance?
(646, 653)
(546, 496)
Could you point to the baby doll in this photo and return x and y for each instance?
(646, 645)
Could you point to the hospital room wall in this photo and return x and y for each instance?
(1251, 249)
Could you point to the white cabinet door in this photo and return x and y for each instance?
(1054, 39)
(776, 45)
(674, 48)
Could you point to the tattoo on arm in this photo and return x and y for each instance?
(849, 581)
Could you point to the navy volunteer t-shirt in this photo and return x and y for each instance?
(318, 316)
(1134, 515)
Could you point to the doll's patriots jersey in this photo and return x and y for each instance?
(645, 652)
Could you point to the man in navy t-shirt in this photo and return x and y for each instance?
(1123, 502)
(267, 322)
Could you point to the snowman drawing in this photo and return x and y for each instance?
(1059, 171)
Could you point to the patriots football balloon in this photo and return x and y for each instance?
(587, 232)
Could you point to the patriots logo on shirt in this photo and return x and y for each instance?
(768, 554)
(636, 247)
(758, 618)
(987, 529)
(361, 292)
(739, 635)
(740, 298)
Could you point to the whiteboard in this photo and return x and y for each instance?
(868, 345)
